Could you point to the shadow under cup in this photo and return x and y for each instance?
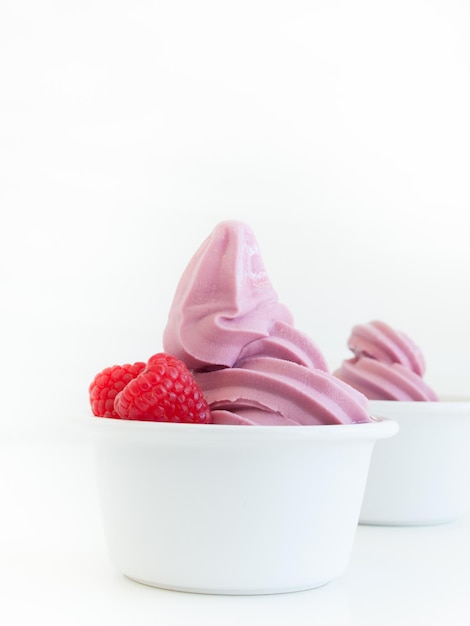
(421, 476)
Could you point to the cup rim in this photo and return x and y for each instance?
(445, 408)
(378, 428)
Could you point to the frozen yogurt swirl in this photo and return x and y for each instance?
(253, 366)
(387, 364)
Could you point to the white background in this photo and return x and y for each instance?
(338, 130)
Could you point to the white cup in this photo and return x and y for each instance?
(421, 476)
(232, 509)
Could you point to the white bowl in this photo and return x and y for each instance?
(421, 476)
(232, 509)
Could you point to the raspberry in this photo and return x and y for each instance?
(107, 384)
(164, 392)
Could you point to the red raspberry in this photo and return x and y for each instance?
(164, 392)
(107, 384)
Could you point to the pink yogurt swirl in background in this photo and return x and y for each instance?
(387, 364)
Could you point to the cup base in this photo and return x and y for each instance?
(233, 591)
(418, 522)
